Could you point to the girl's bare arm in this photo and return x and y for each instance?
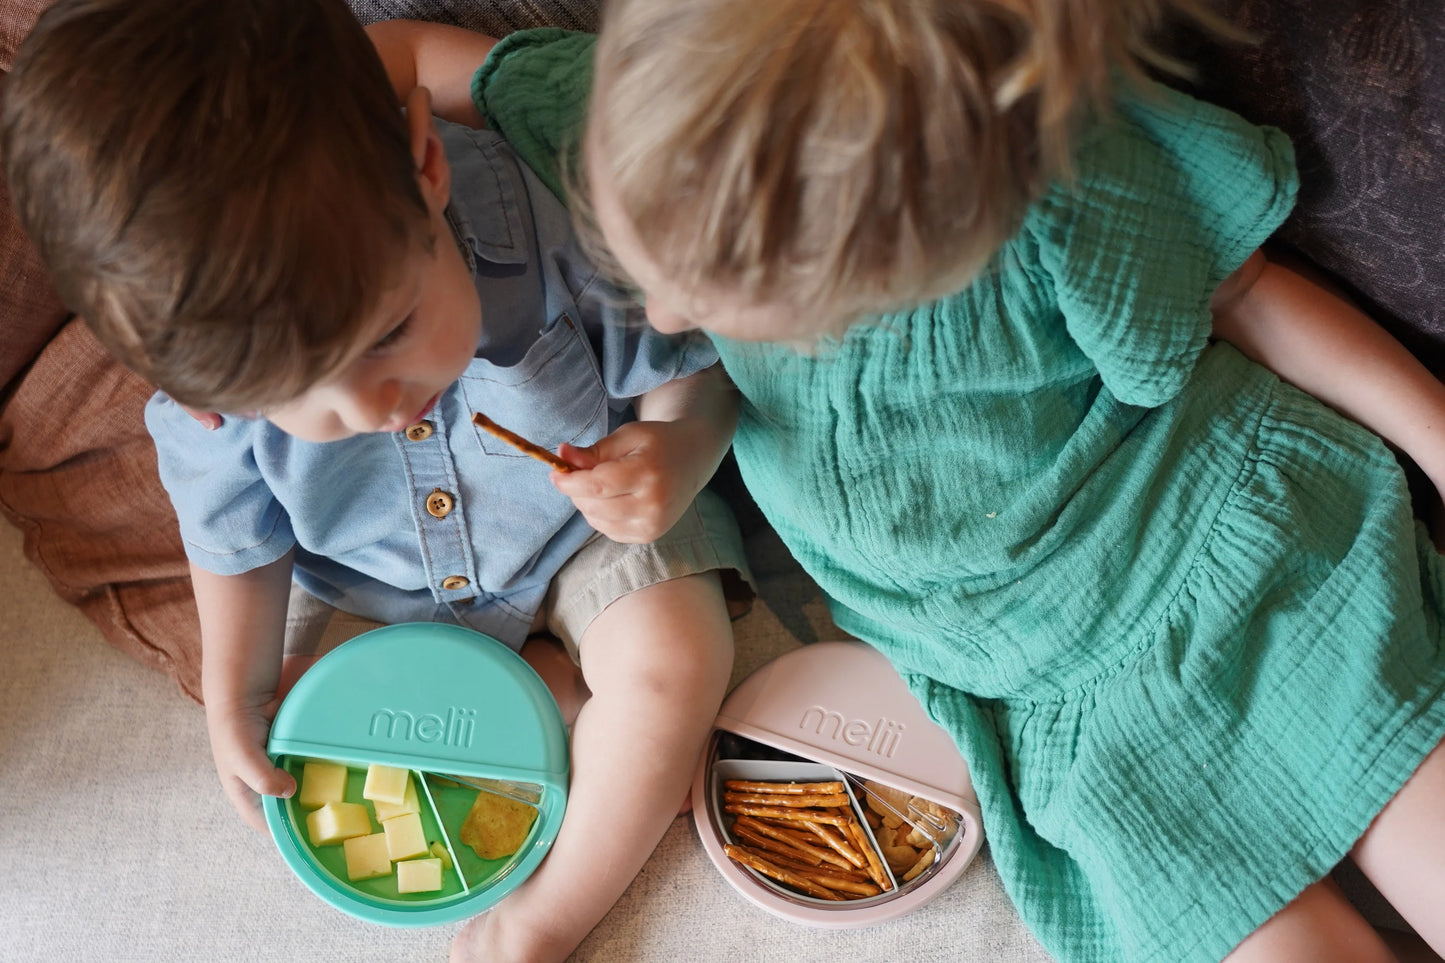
(437, 56)
(1318, 341)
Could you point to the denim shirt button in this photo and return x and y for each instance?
(420, 431)
(453, 582)
(439, 504)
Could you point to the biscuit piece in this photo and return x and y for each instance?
(496, 826)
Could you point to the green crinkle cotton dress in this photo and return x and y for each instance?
(1176, 614)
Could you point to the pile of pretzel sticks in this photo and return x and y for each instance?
(805, 836)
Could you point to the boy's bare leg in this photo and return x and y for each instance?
(657, 662)
(549, 659)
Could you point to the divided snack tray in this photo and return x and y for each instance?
(458, 710)
(838, 712)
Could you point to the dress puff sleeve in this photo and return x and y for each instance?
(533, 90)
(1165, 202)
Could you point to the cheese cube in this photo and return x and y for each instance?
(410, 804)
(404, 836)
(385, 784)
(321, 783)
(366, 857)
(419, 876)
(336, 821)
(439, 850)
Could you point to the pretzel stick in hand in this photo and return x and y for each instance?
(518, 442)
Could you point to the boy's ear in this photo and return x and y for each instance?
(433, 173)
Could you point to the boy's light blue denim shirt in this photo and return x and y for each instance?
(561, 357)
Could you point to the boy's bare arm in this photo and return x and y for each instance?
(1321, 343)
(243, 627)
(436, 56)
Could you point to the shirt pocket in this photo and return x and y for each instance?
(555, 394)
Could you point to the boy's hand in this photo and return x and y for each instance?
(633, 485)
(243, 631)
(238, 745)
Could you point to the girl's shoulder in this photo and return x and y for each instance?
(1184, 159)
(1167, 197)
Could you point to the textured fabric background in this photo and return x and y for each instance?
(1359, 85)
(496, 17)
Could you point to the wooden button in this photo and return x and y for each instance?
(439, 504)
(420, 431)
(453, 582)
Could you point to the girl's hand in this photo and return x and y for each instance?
(633, 485)
(238, 745)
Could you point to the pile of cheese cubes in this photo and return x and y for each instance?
(402, 842)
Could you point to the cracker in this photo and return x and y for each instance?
(496, 826)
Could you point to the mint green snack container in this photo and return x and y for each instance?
(456, 708)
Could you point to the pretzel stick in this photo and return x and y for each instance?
(518, 442)
(841, 842)
(785, 852)
(825, 788)
(783, 812)
(833, 872)
(757, 863)
(791, 837)
(785, 799)
(839, 884)
(875, 865)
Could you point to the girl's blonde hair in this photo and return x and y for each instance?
(848, 156)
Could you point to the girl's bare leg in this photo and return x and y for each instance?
(657, 662)
(1403, 854)
(1319, 926)
(1403, 851)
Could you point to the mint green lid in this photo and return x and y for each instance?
(433, 699)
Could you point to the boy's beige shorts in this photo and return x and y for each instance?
(705, 539)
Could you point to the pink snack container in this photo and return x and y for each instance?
(839, 711)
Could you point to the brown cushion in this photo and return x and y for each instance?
(16, 19)
(78, 476)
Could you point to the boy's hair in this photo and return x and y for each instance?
(848, 157)
(223, 190)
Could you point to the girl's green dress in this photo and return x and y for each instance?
(1176, 614)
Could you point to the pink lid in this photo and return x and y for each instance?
(843, 703)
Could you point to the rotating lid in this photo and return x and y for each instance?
(843, 703)
(427, 696)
